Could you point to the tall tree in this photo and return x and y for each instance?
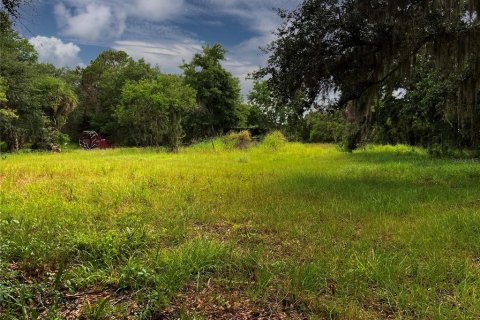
(264, 112)
(363, 50)
(268, 112)
(101, 86)
(151, 111)
(218, 93)
(35, 101)
(7, 116)
(56, 99)
(18, 61)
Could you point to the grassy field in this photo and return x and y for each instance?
(303, 232)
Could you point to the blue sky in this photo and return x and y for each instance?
(164, 32)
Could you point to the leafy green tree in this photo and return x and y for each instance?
(35, 101)
(325, 127)
(362, 50)
(218, 93)
(270, 113)
(429, 112)
(265, 111)
(101, 86)
(243, 112)
(18, 61)
(151, 111)
(56, 99)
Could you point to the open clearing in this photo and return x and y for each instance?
(304, 232)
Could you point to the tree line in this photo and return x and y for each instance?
(349, 72)
(130, 102)
(404, 71)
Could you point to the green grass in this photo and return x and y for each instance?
(385, 232)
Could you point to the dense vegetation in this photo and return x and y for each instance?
(129, 102)
(360, 52)
(390, 83)
(34, 98)
(274, 230)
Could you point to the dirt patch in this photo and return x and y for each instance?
(215, 302)
(83, 304)
(250, 235)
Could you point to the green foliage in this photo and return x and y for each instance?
(274, 141)
(101, 89)
(56, 99)
(240, 140)
(243, 112)
(218, 94)
(151, 111)
(270, 113)
(429, 113)
(17, 68)
(362, 51)
(325, 127)
(3, 90)
(35, 101)
(264, 111)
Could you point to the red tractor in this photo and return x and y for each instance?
(91, 140)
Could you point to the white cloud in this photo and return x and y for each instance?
(90, 21)
(149, 29)
(55, 51)
(158, 10)
(257, 15)
(168, 54)
(106, 20)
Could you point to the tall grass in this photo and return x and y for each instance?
(384, 232)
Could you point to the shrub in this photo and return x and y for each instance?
(240, 140)
(51, 139)
(325, 127)
(274, 140)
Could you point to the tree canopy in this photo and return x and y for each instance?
(151, 111)
(101, 86)
(362, 49)
(218, 93)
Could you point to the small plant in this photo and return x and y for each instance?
(274, 140)
(239, 140)
(97, 310)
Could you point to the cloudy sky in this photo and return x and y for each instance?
(164, 32)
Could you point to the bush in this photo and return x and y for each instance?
(51, 139)
(274, 140)
(325, 127)
(240, 140)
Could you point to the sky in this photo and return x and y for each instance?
(163, 32)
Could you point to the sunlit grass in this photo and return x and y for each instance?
(382, 232)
